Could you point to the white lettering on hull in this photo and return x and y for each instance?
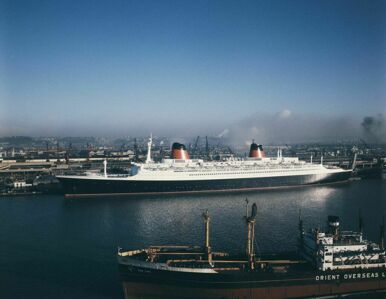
(350, 276)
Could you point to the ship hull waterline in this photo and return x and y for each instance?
(147, 283)
(135, 290)
(89, 187)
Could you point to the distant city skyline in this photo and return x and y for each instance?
(77, 68)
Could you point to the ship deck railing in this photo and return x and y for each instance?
(174, 246)
(199, 167)
(359, 262)
(130, 252)
(249, 169)
(359, 266)
(163, 250)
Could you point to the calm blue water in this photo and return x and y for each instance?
(51, 247)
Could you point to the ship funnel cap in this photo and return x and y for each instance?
(178, 146)
(254, 146)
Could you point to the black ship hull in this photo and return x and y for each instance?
(150, 283)
(77, 187)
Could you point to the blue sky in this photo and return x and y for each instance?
(128, 67)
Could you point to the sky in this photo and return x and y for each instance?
(76, 68)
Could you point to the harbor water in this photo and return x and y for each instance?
(51, 247)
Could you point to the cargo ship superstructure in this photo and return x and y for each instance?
(180, 174)
(327, 263)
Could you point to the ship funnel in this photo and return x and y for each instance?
(256, 151)
(333, 226)
(179, 151)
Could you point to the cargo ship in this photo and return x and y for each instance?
(327, 263)
(180, 174)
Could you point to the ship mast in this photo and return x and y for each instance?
(360, 222)
(251, 236)
(382, 235)
(148, 158)
(354, 162)
(105, 168)
(301, 230)
(208, 250)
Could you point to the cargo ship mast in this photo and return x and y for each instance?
(251, 220)
(208, 250)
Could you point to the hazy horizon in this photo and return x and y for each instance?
(266, 70)
(283, 127)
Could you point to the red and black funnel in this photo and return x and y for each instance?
(256, 151)
(179, 151)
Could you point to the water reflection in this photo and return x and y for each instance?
(70, 245)
(141, 221)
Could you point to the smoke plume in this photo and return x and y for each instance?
(289, 127)
(374, 128)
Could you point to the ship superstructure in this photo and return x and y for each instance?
(327, 263)
(342, 250)
(182, 174)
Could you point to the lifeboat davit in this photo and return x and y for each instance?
(179, 151)
(256, 151)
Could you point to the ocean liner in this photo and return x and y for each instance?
(180, 174)
(327, 263)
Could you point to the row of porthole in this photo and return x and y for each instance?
(271, 171)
